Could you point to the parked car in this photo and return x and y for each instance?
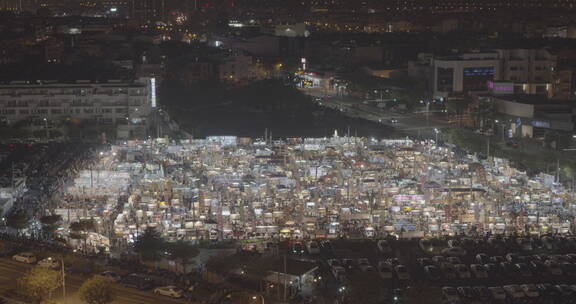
(482, 258)
(169, 291)
(462, 271)
(530, 290)
(465, 292)
(313, 247)
(364, 265)
(493, 270)
(513, 258)
(450, 294)
(568, 269)
(454, 251)
(454, 260)
(50, 263)
(402, 272)
(25, 257)
(439, 260)
(348, 264)
(497, 259)
(525, 244)
(432, 273)
(110, 276)
(385, 270)
(514, 291)
(454, 243)
(553, 268)
(327, 247)
(384, 246)
(508, 269)
(481, 292)
(297, 248)
(426, 245)
(497, 293)
(523, 269)
(448, 272)
(333, 262)
(423, 262)
(479, 271)
(339, 273)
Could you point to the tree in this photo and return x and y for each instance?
(50, 224)
(457, 106)
(557, 140)
(149, 245)
(39, 284)
(79, 230)
(17, 220)
(182, 251)
(96, 290)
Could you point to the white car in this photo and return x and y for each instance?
(385, 270)
(110, 276)
(313, 247)
(384, 246)
(169, 291)
(49, 263)
(25, 257)
(364, 265)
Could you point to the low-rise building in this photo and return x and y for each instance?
(125, 104)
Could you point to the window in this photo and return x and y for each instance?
(23, 112)
(56, 111)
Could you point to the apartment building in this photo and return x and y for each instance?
(124, 104)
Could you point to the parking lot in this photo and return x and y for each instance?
(458, 270)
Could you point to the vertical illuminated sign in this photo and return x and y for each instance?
(153, 92)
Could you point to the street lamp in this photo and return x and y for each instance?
(256, 297)
(436, 131)
(46, 127)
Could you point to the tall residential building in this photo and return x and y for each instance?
(147, 12)
(531, 70)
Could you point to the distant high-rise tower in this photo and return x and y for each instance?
(149, 11)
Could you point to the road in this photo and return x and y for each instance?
(10, 271)
(419, 124)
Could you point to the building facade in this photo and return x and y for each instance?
(532, 71)
(124, 104)
(464, 73)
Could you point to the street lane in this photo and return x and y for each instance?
(11, 270)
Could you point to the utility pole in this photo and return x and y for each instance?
(63, 282)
